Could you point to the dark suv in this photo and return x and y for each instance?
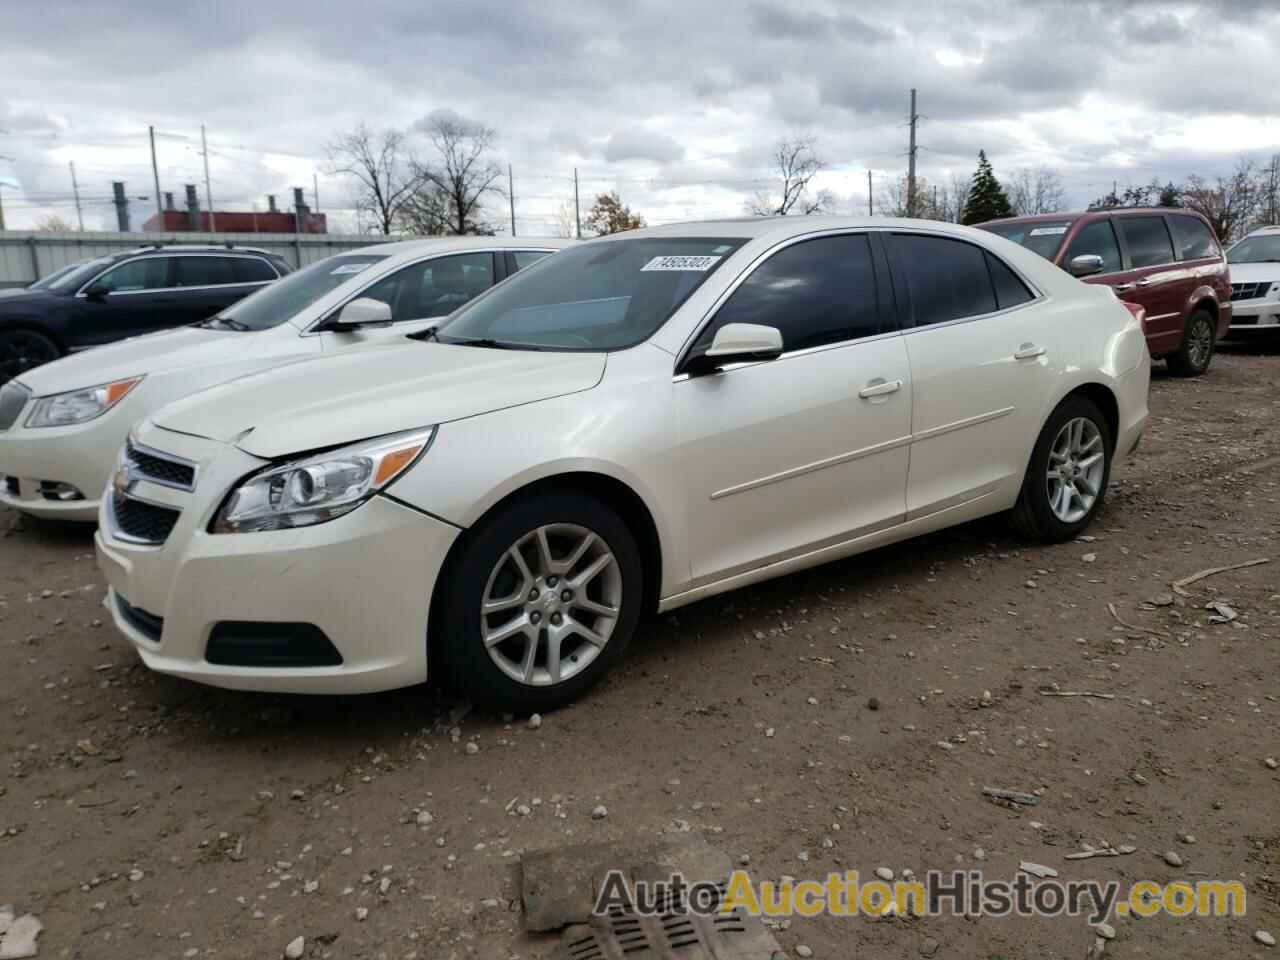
(1165, 260)
(123, 295)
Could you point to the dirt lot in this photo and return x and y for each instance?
(145, 817)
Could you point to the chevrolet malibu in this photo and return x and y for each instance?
(62, 424)
(635, 423)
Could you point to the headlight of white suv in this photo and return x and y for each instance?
(79, 406)
(322, 487)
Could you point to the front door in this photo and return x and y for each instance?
(132, 294)
(793, 454)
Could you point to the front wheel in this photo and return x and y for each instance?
(22, 349)
(541, 603)
(1193, 356)
(1068, 474)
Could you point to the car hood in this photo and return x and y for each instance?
(1255, 272)
(371, 391)
(159, 352)
(11, 298)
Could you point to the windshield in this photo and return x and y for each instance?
(1039, 236)
(1264, 248)
(71, 278)
(600, 296)
(281, 300)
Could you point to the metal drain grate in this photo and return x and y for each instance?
(671, 934)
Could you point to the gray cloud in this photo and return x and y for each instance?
(674, 104)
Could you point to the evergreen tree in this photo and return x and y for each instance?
(987, 199)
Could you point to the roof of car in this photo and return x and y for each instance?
(445, 244)
(1102, 212)
(782, 227)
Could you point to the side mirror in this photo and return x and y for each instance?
(738, 343)
(1085, 265)
(361, 312)
(97, 291)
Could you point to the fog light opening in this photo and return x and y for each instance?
(61, 492)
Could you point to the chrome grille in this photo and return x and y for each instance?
(147, 464)
(13, 397)
(1250, 291)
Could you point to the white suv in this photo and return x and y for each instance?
(637, 422)
(62, 424)
(1255, 283)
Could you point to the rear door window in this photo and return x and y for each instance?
(1010, 290)
(946, 279)
(1147, 239)
(1195, 239)
(251, 270)
(204, 271)
(527, 258)
(1096, 239)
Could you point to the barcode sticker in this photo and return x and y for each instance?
(697, 264)
(1048, 231)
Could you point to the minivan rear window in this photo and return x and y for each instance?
(1039, 236)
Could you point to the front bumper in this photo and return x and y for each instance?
(365, 580)
(81, 456)
(1255, 316)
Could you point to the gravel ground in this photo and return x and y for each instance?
(843, 718)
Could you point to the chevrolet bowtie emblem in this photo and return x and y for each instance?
(123, 480)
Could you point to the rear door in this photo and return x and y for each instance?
(810, 449)
(137, 297)
(1153, 278)
(982, 369)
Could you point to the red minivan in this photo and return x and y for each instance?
(1165, 260)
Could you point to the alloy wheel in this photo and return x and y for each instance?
(21, 351)
(551, 604)
(1077, 462)
(1200, 343)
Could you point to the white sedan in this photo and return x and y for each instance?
(636, 423)
(62, 424)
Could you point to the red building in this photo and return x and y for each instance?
(175, 221)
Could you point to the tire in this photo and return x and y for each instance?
(497, 673)
(1040, 513)
(23, 349)
(1196, 351)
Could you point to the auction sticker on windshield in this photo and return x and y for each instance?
(1048, 231)
(348, 268)
(698, 264)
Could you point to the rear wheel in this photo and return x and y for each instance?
(1068, 474)
(541, 603)
(21, 350)
(1192, 358)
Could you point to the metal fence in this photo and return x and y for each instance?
(28, 256)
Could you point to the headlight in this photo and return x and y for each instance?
(77, 406)
(322, 487)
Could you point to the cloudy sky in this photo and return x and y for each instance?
(674, 104)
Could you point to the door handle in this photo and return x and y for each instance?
(1124, 287)
(1029, 351)
(879, 388)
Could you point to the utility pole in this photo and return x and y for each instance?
(511, 196)
(1, 207)
(871, 209)
(75, 192)
(577, 215)
(911, 159)
(208, 191)
(155, 173)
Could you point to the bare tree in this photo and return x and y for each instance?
(566, 220)
(933, 201)
(54, 224)
(796, 163)
(1035, 191)
(1230, 203)
(382, 168)
(461, 173)
(1268, 211)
